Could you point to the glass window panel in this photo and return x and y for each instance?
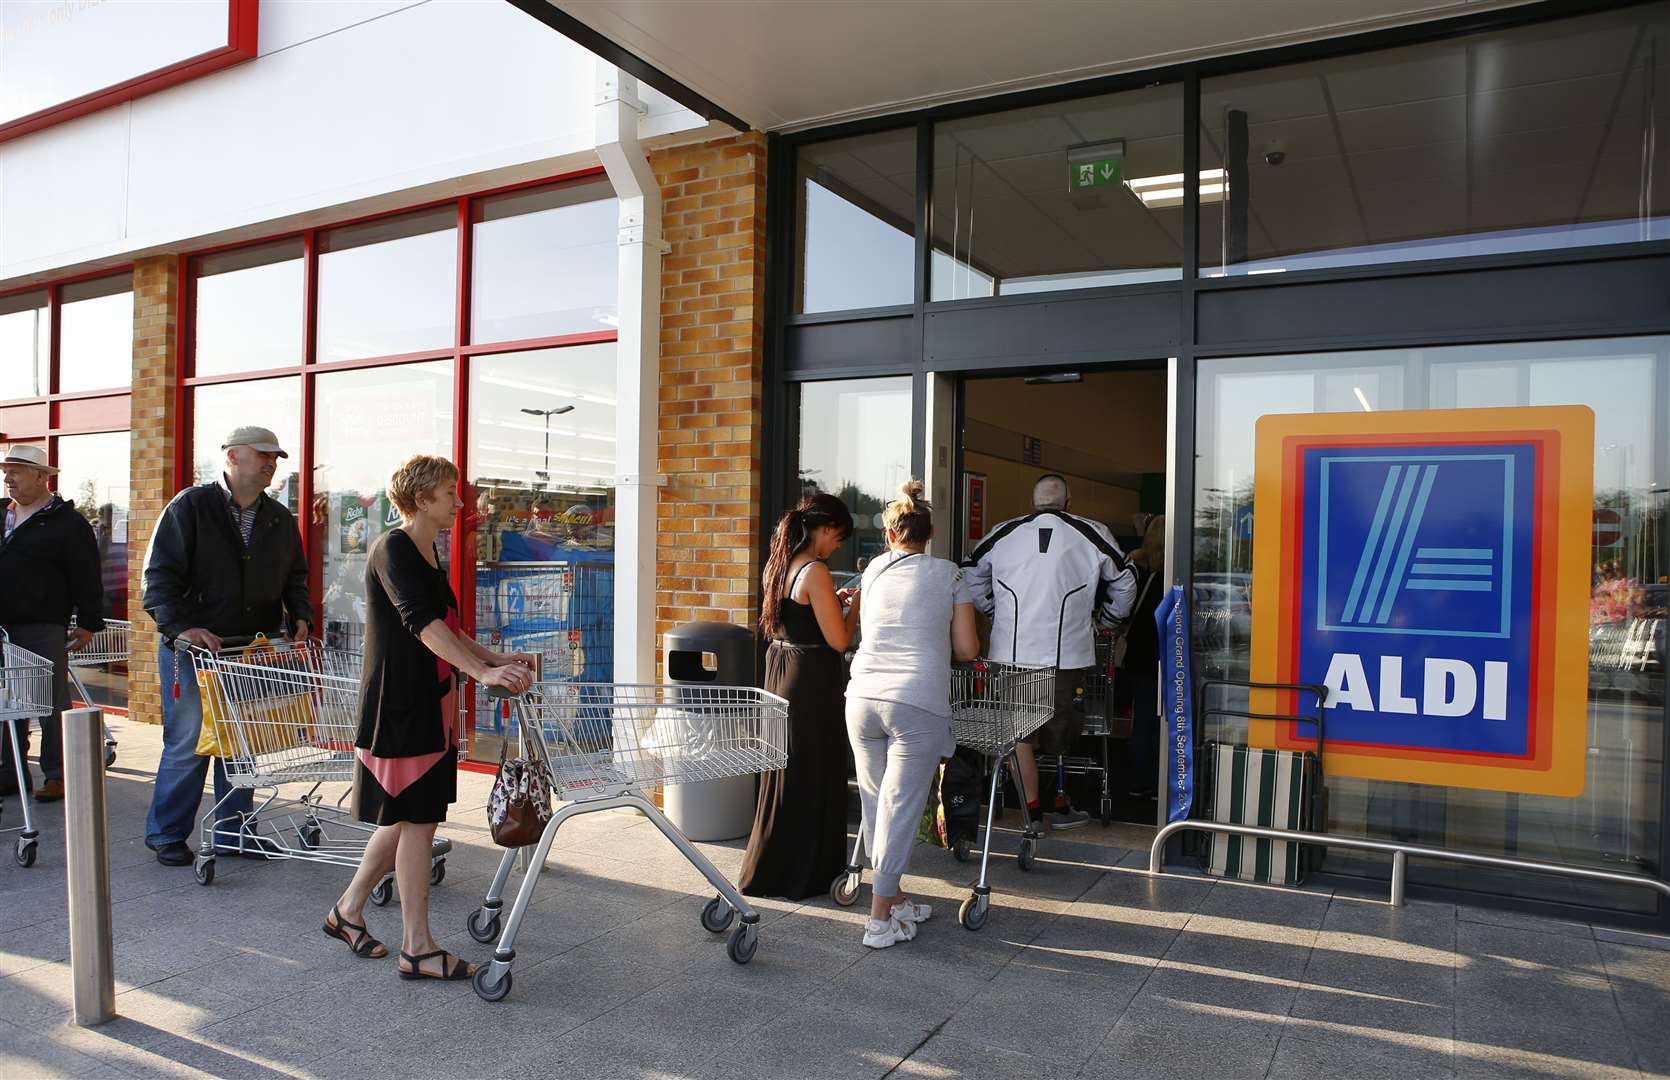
(93, 474)
(543, 263)
(248, 309)
(1076, 195)
(542, 473)
(367, 423)
(1615, 822)
(856, 223)
(25, 345)
(275, 404)
(1540, 137)
(389, 286)
(95, 327)
(855, 444)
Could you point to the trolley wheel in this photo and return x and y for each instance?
(717, 915)
(844, 889)
(959, 848)
(485, 988)
(972, 914)
(437, 872)
(109, 755)
(310, 836)
(383, 892)
(25, 852)
(204, 869)
(483, 925)
(1027, 854)
(744, 940)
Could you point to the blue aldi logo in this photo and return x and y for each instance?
(1412, 564)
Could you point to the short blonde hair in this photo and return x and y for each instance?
(418, 475)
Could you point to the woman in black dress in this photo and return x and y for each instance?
(406, 769)
(800, 824)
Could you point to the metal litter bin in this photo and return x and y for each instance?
(719, 654)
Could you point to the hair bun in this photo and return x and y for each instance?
(911, 491)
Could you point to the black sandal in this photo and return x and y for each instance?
(361, 943)
(459, 971)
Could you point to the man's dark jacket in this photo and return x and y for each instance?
(199, 574)
(49, 568)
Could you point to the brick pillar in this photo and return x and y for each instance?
(712, 348)
(156, 327)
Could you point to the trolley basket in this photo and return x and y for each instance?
(26, 693)
(603, 744)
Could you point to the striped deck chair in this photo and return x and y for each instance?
(1273, 788)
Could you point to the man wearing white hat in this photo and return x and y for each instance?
(49, 562)
(225, 561)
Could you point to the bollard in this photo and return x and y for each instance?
(87, 865)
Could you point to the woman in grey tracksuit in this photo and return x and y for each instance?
(917, 616)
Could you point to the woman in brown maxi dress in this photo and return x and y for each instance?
(800, 824)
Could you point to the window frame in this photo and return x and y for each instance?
(460, 353)
(53, 400)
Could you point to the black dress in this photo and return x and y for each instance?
(402, 686)
(800, 824)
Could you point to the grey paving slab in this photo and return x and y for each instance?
(810, 1045)
(943, 1058)
(1353, 1057)
(1086, 966)
(1328, 1007)
(1163, 1039)
(1011, 1013)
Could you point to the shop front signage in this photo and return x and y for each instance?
(1414, 564)
(60, 59)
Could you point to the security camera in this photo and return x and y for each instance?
(1275, 157)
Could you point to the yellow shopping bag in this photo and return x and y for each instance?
(269, 725)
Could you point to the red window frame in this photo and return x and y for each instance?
(309, 367)
(243, 22)
(52, 402)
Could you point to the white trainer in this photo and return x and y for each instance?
(879, 934)
(909, 911)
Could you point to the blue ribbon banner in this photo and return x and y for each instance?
(1171, 618)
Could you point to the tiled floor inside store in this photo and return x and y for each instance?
(1085, 968)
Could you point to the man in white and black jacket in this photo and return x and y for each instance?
(49, 571)
(1045, 579)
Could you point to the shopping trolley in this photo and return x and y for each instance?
(25, 694)
(603, 743)
(287, 713)
(107, 648)
(994, 707)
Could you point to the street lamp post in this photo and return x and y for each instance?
(545, 474)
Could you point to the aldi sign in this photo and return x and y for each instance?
(1414, 564)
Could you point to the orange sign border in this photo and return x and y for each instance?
(1559, 724)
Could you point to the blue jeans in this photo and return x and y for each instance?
(179, 788)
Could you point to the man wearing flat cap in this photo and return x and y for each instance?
(49, 567)
(225, 562)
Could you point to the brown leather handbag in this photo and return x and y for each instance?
(520, 806)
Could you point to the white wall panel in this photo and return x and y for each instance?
(373, 103)
(65, 188)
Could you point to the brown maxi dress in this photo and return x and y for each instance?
(800, 824)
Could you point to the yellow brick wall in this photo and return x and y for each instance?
(712, 346)
(156, 325)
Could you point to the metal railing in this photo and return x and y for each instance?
(1400, 855)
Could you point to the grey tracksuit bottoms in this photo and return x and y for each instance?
(897, 749)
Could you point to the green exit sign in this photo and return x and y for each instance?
(1095, 165)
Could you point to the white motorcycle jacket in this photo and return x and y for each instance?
(1043, 579)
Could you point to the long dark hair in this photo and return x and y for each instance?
(791, 537)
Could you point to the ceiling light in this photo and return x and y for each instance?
(1158, 192)
(1362, 398)
(1058, 377)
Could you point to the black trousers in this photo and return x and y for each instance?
(48, 640)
